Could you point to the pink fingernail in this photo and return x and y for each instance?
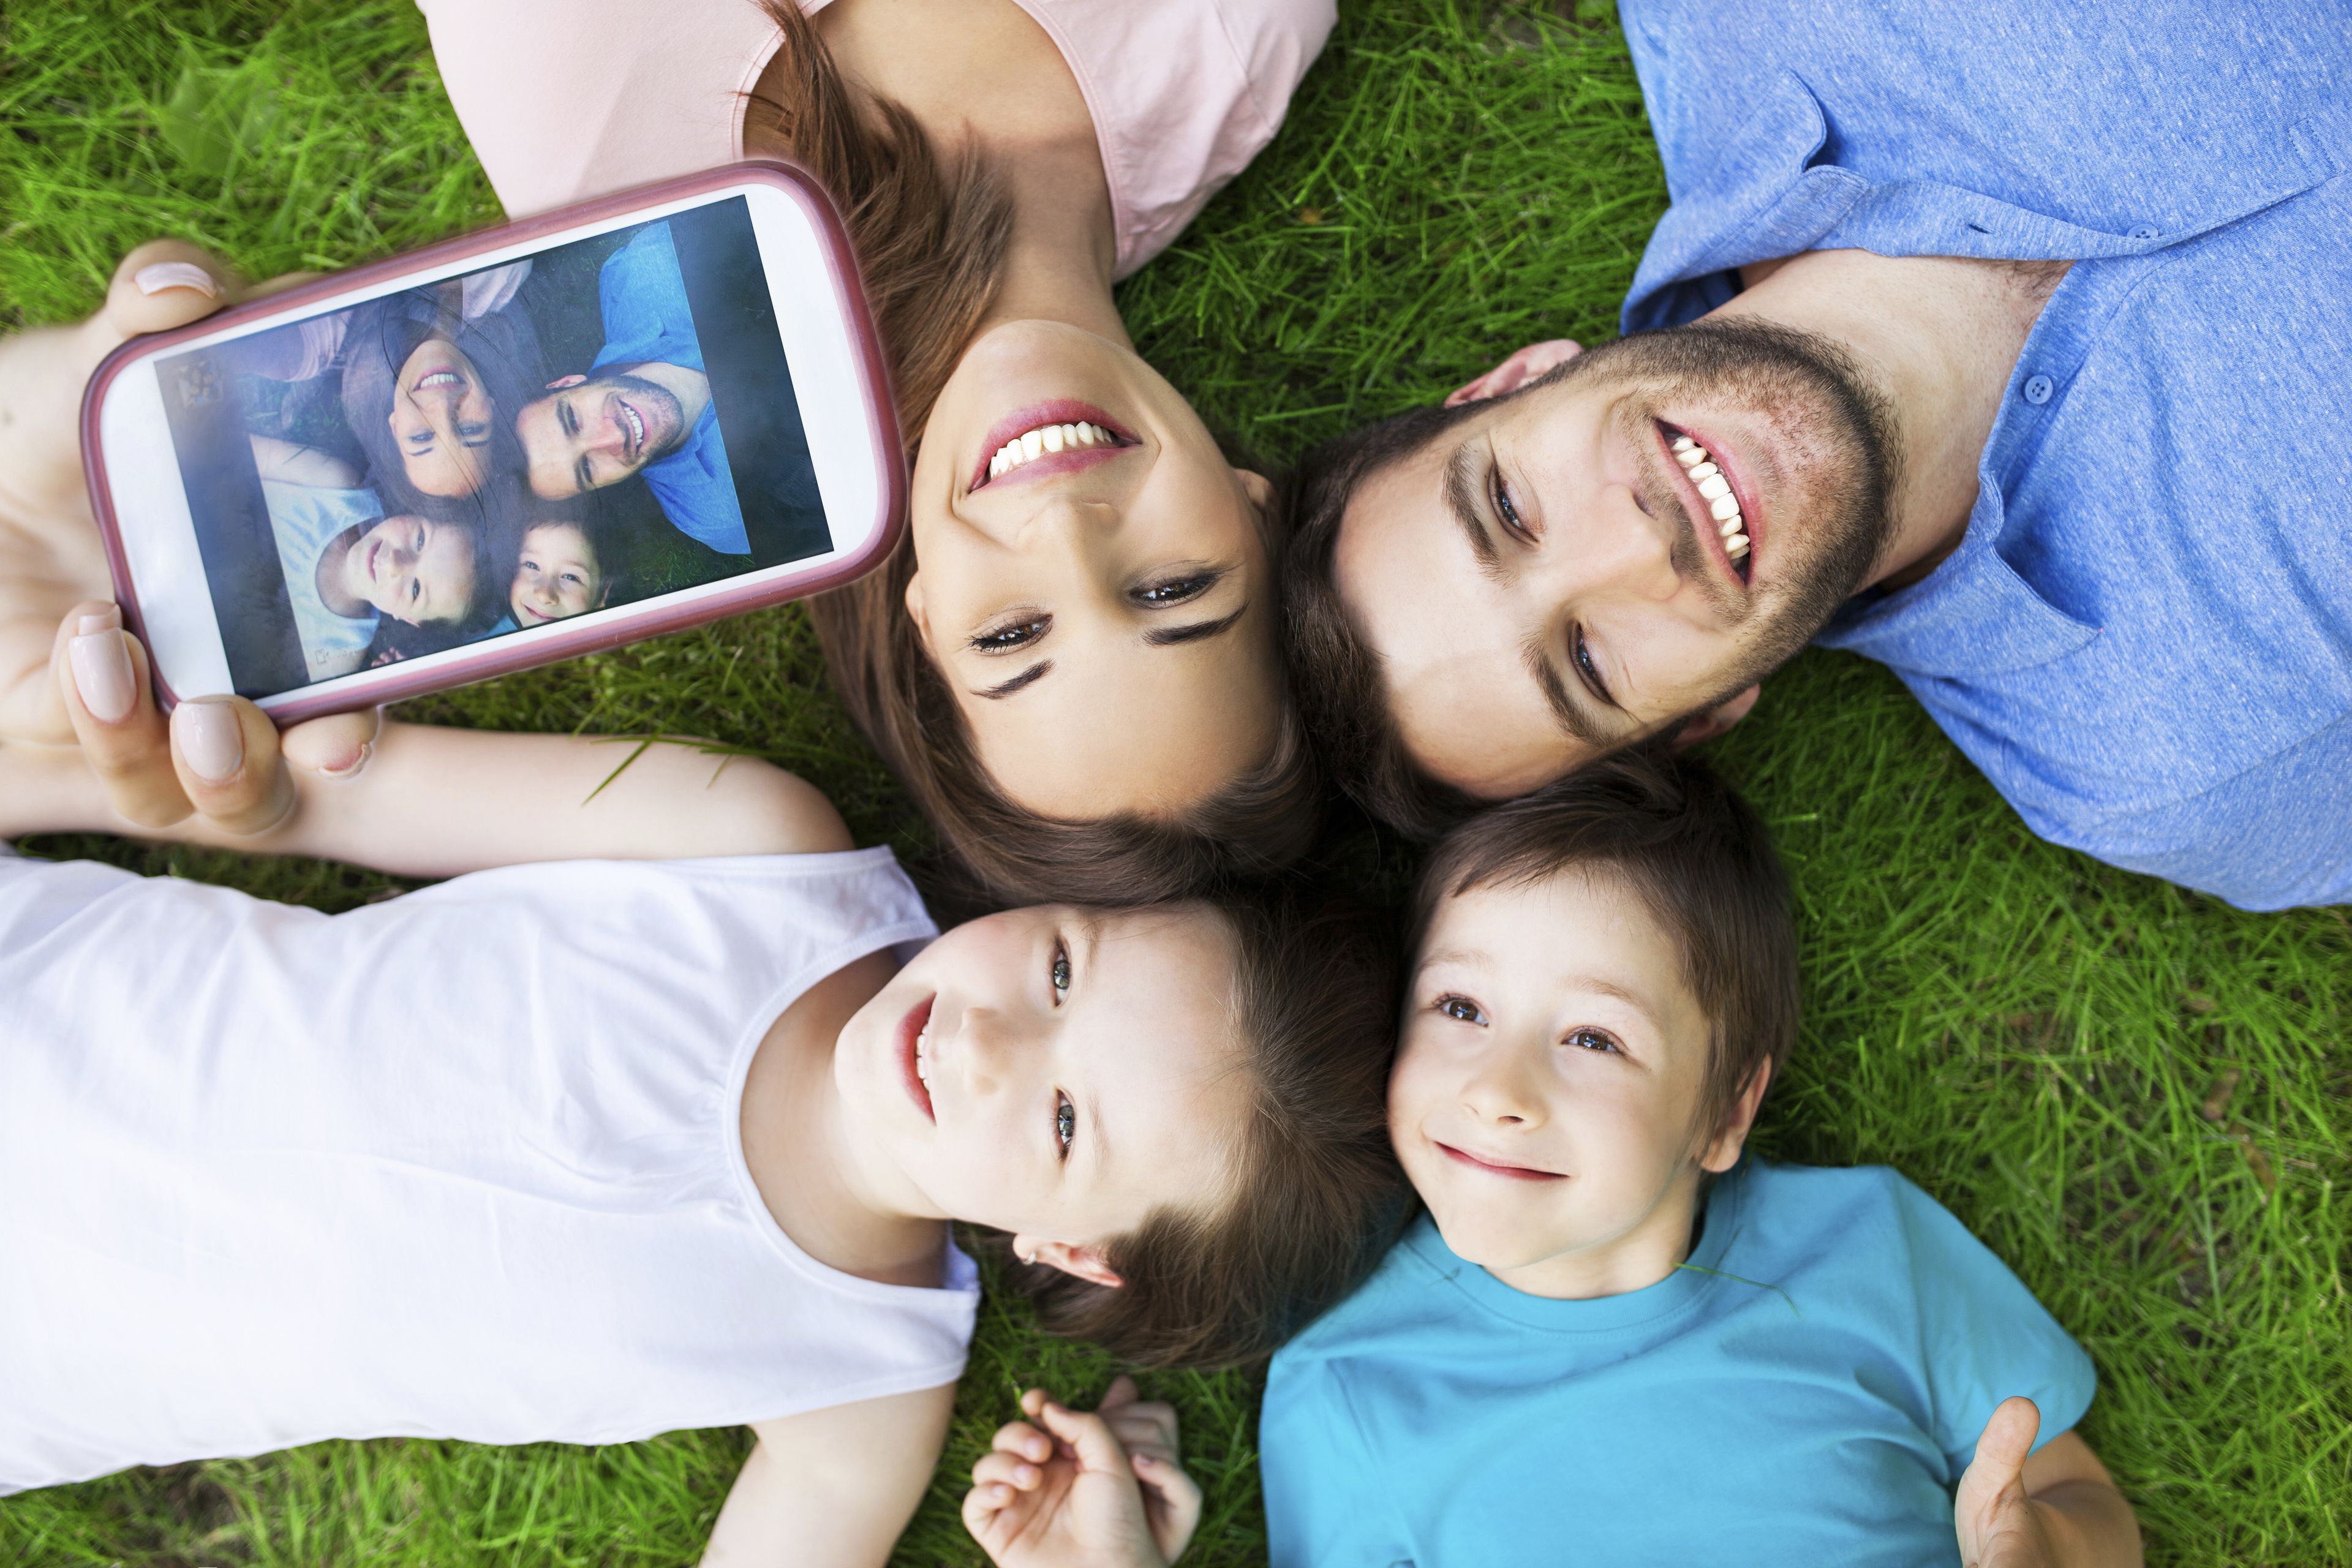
(102, 674)
(161, 275)
(359, 760)
(106, 620)
(210, 740)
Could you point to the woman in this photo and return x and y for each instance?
(427, 374)
(1073, 664)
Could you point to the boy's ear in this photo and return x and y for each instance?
(1087, 1262)
(1706, 726)
(1723, 1154)
(1515, 372)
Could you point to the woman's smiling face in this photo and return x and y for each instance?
(1091, 579)
(441, 418)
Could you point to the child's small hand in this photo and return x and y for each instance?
(1996, 1521)
(1103, 1490)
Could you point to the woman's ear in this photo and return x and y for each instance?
(1706, 726)
(915, 612)
(1086, 1262)
(1515, 372)
(1722, 1152)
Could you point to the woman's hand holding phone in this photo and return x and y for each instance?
(69, 677)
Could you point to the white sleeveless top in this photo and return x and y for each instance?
(466, 1163)
(566, 99)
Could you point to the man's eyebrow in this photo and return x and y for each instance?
(1165, 636)
(1572, 715)
(1029, 676)
(1464, 508)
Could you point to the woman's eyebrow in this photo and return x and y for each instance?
(1029, 676)
(1165, 636)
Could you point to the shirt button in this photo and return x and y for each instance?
(2038, 389)
(2146, 231)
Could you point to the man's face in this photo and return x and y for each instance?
(590, 432)
(1545, 580)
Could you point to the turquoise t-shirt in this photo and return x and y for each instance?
(1811, 1400)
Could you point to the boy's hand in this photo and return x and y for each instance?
(1102, 1490)
(1998, 1525)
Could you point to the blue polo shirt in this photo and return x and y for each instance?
(646, 318)
(1806, 1391)
(2145, 639)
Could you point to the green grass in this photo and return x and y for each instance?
(2141, 1099)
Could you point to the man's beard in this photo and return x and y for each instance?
(654, 396)
(1821, 411)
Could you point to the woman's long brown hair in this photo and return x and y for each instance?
(931, 234)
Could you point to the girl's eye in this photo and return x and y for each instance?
(1176, 592)
(1061, 973)
(1018, 634)
(1462, 1010)
(1593, 1040)
(1066, 1123)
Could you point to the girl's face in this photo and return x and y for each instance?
(558, 576)
(1104, 613)
(441, 419)
(1058, 1073)
(412, 569)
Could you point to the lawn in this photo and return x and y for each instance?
(2139, 1096)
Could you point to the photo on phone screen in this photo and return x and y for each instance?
(604, 421)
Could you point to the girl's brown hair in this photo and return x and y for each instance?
(1316, 1194)
(931, 234)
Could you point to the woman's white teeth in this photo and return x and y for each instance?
(438, 378)
(1715, 491)
(1030, 444)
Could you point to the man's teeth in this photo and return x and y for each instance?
(1716, 490)
(1048, 438)
(636, 425)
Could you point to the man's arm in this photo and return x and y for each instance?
(831, 1489)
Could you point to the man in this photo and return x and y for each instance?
(2005, 347)
(645, 407)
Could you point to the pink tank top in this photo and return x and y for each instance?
(565, 100)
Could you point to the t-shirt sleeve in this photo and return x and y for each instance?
(1324, 1507)
(1984, 1336)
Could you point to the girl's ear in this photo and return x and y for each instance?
(1086, 1262)
(1515, 372)
(1722, 1152)
(913, 598)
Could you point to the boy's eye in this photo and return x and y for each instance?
(1592, 1040)
(1066, 1123)
(1061, 971)
(1462, 1010)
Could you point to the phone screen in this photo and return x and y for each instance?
(600, 422)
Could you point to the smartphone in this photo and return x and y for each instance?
(560, 436)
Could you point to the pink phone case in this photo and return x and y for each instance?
(611, 629)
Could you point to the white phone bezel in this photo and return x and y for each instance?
(151, 507)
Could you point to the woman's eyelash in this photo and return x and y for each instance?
(1013, 635)
(1066, 1123)
(1178, 589)
(1461, 1009)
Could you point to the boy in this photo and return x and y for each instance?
(1610, 1339)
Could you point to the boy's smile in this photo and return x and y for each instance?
(1547, 1095)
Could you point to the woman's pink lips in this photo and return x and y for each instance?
(1036, 416)
(910, 1029)
(1702, 518)
(1516, 1172)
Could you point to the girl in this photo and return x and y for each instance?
(588, 1153)
(1081, 554)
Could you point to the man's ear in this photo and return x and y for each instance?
(1086, 1262)
(1724, 1152)
(1706, 726)
(561, 382)
(1515, 372)
(913, 598)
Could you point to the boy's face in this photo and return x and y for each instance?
(1546, 1090)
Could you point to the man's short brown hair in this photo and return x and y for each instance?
(1702, 862)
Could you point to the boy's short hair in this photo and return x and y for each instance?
(1703, 863)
